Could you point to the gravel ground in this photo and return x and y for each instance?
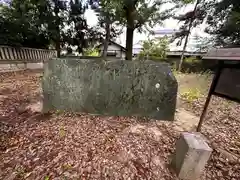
(82, 146)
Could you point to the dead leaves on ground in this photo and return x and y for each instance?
(81, 146)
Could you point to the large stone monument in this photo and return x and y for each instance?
(122, 88)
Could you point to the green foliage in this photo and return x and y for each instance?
(191, 60)
(37, 22)
(41, 23)
(223, 18)
(187, 1)
(77, 32)
(190, 19)
(141, 11)
(191, 94)
(107, 29)
(137, 14)
(46, 178)
(192, 64)
(224, 22)
(91, 52)
(20, 26)
(202, 44)
(154, 49)
(174, 71)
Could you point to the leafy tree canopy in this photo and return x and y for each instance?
(190, 19)
(19, 25)
(106, 13)
(140, 15)
(222, 17)
(41, 23)
(224, 22)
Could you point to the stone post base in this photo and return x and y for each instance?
(191, 156)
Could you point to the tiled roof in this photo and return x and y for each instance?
(165, 31)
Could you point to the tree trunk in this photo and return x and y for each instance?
(183, 52)
(106, 41)
(129, 43)
(186, 39)
(57, 28)
(58, 48)
(57, 41)
(130, 31)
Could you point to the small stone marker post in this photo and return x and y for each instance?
(191, 156)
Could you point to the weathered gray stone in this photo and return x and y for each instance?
(121, 88)
(191, 156)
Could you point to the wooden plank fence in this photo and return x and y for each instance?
(15, 55)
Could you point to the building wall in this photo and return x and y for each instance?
(114, 48)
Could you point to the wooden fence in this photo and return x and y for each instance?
(15, 55)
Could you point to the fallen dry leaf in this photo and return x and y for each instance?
(82, 146)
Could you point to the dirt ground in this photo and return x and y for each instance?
(82, 146)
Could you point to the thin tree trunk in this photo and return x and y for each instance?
(57, 28)
(186, 39)
(107, 39)
(58, 47)
(183, 51)
(58, 50)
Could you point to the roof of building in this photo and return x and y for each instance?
(112, 42)
(165, 31)
(223, 54)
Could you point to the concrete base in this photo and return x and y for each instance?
(191, 156)
(20, 66)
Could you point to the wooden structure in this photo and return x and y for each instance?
(226, 81)
(114, 50)
(16, 55)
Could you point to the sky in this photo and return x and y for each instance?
(167, 24)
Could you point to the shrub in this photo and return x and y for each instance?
(154, 49)
(91, 52)
(191, 60)
(192, 64)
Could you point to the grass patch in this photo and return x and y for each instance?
(191, 94)
(193, 85)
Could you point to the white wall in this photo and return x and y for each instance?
(113, 48)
